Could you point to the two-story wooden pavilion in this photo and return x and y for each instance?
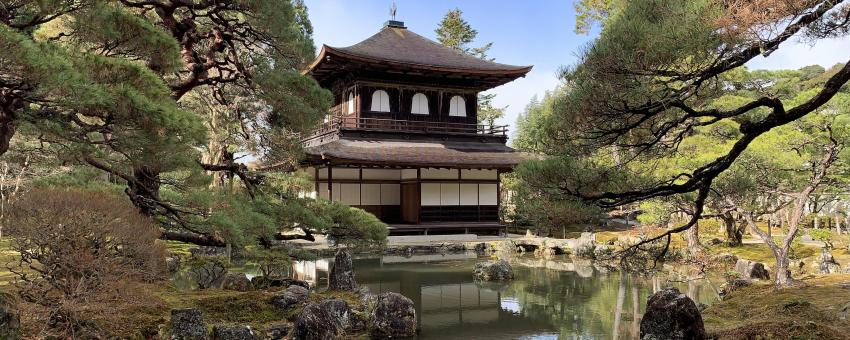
(403, 140)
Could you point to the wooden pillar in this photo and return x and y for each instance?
(419, 191)
(316, 180)
(330, 183)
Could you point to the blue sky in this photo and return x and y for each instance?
(528, 32)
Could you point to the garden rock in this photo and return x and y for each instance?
(278, 331)
(10, 317)
(316, 323)
(752, 270)
(292, 296)
(339, 312)
(236, 281)
(172, 264)
(733, 285)
(493, 271)
(265, 282)
(342, 274)
(393, 316)
(827, 263)
(671, 315)
(223, 332)
(188, 324)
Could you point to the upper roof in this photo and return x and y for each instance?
(394, 47)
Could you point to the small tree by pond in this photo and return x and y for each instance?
(83, 256)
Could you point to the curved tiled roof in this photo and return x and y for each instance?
(397, 44)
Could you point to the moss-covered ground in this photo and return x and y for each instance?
(812, 310)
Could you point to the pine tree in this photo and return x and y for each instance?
(138, 88)
(456, 33)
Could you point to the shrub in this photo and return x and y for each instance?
(207, 271)
(823, 235)
(83, 255)
(272, 263)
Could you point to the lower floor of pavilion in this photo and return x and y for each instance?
(417, 200)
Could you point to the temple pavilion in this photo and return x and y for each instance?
(403, 140)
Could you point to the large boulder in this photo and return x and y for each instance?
(316, 323)
(278, 331)
(393, 316)
(236, 281)
(493, 271)
(827, 263)
(751, 270)
(188, 324)
(292, 296)
(266, 282)
(341, 276)
(671, 315)
(10, 317)
(225, 332)
(339, 312)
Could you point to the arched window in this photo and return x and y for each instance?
(380, 101)
(350, 102)
(419, 104)
(457, 107)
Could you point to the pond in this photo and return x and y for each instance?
(548, 299)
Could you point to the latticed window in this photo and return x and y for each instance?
(380, 101)
(350, 102)
(457, 107)
(419, 104)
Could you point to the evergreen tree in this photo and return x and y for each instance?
(156, 93)
(456, 33)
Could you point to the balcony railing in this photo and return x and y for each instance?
(397, 125)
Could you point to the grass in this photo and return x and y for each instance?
(810, 311)
(7, 257)
(228, 307)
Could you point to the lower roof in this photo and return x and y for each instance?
(394, 153)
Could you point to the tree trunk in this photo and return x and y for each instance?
(783, 273)
(692, 235)
(145, 191)
(9, 104)
(7, 130)
(734, 235)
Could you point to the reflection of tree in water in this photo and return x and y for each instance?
(601, 305)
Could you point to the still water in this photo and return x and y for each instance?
(548, 299)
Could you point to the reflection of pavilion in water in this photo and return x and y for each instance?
(548, 299)
(445, 296)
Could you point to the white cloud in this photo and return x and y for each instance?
(795, 54)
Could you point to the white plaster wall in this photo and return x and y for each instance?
(383, 174)
(346, 173)
(370, 194)
(487, 194)
(449, 194)
(350, 193)
(479, 174)
(468, 194)
(430, 194)
(429, 173)
(323, 190)
(408, 174)
(390, 194)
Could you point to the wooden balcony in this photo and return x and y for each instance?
(338, 123)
